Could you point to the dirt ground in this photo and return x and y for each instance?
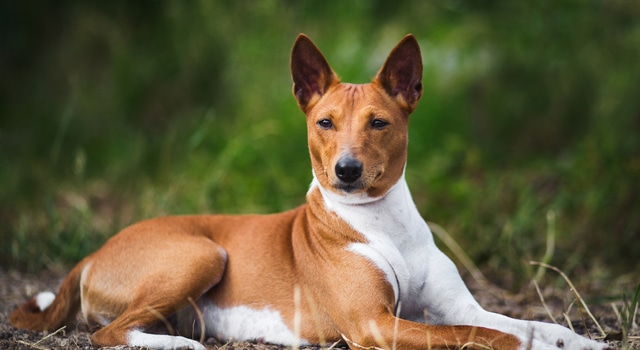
(15, 287)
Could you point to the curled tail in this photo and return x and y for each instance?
(49, 312)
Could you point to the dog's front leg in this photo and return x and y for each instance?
(448, 301)
(388, 332)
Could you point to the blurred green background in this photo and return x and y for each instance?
(112, 112)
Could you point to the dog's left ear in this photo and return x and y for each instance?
(401, 74)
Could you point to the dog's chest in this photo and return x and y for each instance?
(398, 242)
(404, 265)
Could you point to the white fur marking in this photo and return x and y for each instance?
(44, 300)
(160, 341)
(244, 323)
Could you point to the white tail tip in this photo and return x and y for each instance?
(44, 299)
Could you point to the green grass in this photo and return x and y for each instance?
(116, 112)
(628, 316)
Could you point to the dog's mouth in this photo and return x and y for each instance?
(349, 187)
(361, 185)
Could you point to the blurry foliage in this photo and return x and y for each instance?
(116, 111)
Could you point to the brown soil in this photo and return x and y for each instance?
(15, 287)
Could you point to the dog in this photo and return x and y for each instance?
(355, 263)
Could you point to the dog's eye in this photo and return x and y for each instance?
(325, 123)
(379, 124)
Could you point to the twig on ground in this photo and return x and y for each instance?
(164, 320)
(200, 318)
(535, 283)
(36, 344)
(575, 292)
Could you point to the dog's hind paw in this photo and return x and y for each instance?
(162, 341)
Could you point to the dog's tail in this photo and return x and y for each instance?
(49, 312)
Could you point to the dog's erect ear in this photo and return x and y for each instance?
(311, 73)
(401, 74)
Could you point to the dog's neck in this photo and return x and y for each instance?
(393, 215)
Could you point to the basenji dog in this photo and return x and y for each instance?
(356, 263)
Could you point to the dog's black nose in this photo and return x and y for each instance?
(348, 169)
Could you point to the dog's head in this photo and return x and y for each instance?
(357, 133)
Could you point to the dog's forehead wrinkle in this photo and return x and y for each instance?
(348, 103)
(353, 92)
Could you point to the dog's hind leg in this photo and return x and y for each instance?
(156, 283)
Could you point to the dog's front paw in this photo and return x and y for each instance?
(577, 342)
(562, 338)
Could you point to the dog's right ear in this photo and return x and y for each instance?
(312, 75)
